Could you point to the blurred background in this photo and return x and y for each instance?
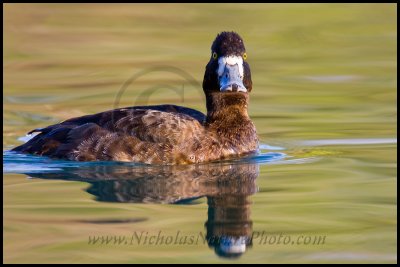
(320, 72)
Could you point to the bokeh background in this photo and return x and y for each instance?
(320, 72)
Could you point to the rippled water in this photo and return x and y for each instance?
(321, 190)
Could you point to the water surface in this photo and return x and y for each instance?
(323, 101)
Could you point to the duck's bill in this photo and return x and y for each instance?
(231, 79)
(233, 245)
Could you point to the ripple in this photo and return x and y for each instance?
(360, 141)
(332, 78)
(33, 99)
(14, 162)
(269, 147)
(113, 221)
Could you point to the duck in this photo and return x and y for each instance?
(165, 134)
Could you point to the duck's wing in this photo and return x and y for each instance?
(163, 125)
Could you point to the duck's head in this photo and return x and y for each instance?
(227, 71)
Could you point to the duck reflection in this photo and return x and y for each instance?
(227, 188)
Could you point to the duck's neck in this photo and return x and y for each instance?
(227, 109)
(227, 117)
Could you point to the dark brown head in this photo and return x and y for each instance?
(227, 71)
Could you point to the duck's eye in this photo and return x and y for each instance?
(214, 55)
(244, 56)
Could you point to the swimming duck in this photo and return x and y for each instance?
(165, 134)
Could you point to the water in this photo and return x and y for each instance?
(322, 189)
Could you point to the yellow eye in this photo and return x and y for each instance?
(245, 56)
(214, 55)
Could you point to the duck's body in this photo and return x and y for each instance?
(165, 134)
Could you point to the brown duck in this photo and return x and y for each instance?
(165, 134)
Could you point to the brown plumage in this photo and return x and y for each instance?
(165, 134)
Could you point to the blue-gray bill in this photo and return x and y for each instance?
(231, 80)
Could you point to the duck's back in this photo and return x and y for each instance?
(141, 133)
